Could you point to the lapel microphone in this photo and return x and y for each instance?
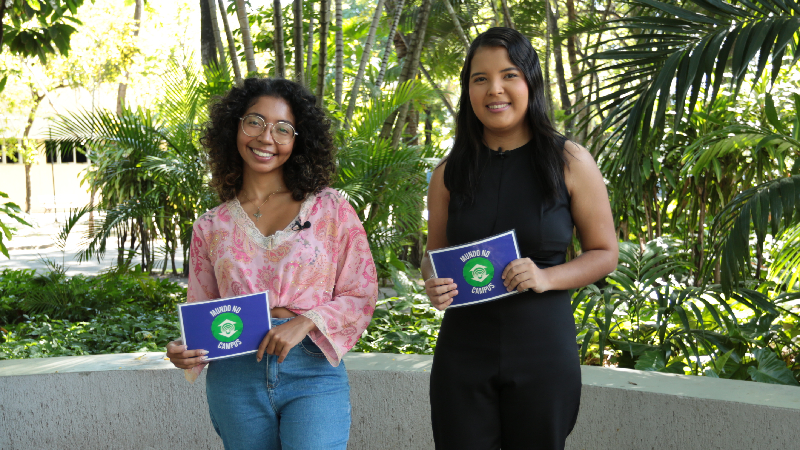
(297, 226)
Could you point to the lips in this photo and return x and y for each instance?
(261, 154)
(494, 107)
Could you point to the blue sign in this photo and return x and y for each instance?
(477, 267)
(225, 327)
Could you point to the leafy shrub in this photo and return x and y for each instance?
(649, 319)
(52, 314)
(403, 324)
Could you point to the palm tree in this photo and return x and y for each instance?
(231, 44)
(671, 58)
(149, 166)
(376, 16)
(280, 64)
(247, 42)
(297, 8)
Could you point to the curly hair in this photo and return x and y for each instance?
(310, 167)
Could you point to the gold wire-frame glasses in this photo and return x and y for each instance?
(254, 125)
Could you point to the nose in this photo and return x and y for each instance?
(495, 86)
(266, 135)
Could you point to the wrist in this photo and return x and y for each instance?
(307, 324)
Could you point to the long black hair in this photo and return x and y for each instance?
(469, 154)
(311, 165)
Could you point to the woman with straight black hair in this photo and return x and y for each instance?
(506, 373)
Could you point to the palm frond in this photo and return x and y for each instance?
(765, 207)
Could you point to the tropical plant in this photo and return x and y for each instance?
(7, 230)
(149, 165)
(406, 323)
(650, 319)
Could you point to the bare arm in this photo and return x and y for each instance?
(591, 213)
(440, 290)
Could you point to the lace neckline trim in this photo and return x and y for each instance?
(266, 242)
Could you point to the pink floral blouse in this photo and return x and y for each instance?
(324, 272)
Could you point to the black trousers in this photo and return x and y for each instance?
(506, 374)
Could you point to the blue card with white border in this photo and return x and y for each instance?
(477, 267)
(226, 327)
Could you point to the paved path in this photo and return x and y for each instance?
(32, 246)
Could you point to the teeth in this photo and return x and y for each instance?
(498, 106)
(262, 154)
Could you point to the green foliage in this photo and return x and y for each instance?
(406, 323)
(51, 314)
(149, 164)
(12, 211)
(40, 27)
(647, 318)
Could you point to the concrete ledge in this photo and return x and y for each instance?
(139, 400)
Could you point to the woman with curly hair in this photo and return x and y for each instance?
(280, 229)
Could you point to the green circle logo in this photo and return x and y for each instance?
(478, 272)
(226, 327)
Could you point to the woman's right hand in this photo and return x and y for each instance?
(441, 292)
(183, 358)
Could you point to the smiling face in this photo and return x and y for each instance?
(261, 154)
(498, 94)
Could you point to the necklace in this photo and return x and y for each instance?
(258, 214)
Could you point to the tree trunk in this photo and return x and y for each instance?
(280, 63)
(212, 11)
(495, 15)
(2, 15)
(23, 153)
(547, 91)
(572, 54)
(507, 15)
(351, 105)
(247, 42)
(438, 91)
(324, 25)
(566, 104)
(456, 22)
(237, 72)
(299, 76)
(123, 87)
(339, 59)
(208, 46)
(412, 126)
(389, 42)
(410, 67)
(428, 126)
(310, 44)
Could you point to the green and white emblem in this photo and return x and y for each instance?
(227, 327)
(478, 272)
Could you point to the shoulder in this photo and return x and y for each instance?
(437, 177)
(217, 214)
(580, 168)
(330, 200)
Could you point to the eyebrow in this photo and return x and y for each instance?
(508, 69)
(265, 119)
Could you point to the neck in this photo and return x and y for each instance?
(259, 186)
(506, 140)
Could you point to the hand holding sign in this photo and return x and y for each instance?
(523, 274)
(441, 292)
(475, 267)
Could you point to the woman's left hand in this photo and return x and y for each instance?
(522, 274)
(284, 337)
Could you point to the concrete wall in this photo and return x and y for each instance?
(139, 401)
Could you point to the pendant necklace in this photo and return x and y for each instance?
(258, 214)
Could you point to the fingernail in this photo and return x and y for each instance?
(204, 358)
(205, 352)
(258, 359)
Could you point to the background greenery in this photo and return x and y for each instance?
(690, 108)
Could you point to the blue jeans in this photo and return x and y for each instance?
(300, 404)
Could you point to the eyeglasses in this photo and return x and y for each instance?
(254, 125)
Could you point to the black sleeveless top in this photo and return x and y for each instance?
(508, 196)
